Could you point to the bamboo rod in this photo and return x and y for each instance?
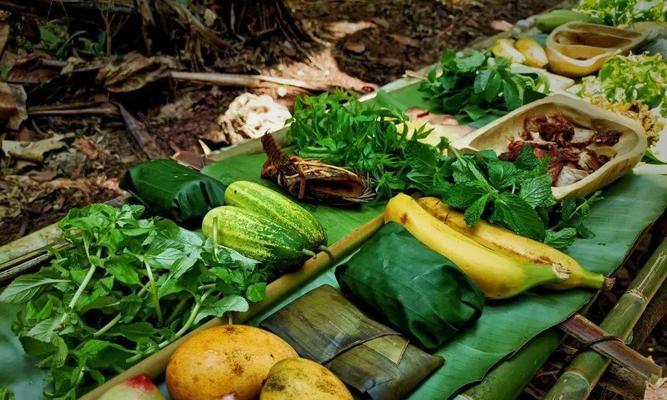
(276, 291)
(577, 382)
(585, 331)
(222, 79)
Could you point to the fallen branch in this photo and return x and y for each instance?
(145, 141)
(221, 79)
(105, 110)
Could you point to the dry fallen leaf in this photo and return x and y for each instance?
(404, 40)
(4, 35)
(12, 105)
(658, 391)
(87, 147)
(501, 25)
(355, 47)
(33, 151)
(133, 71)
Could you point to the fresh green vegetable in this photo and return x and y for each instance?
(6, 394)
(269, 203)
(621, 12)
(551, 20)
(264, 239)
(340, 130)
(623, 79)
(570, 221)
(474, 85)
(125, 288)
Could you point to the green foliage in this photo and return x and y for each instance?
(474, 85)
(621, 12)
(623, 79)
(125, 288)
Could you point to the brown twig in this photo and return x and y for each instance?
(145, 141)
(242, 80)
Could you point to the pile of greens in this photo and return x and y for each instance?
(340, 130)
(475, 86)
(621, 12)
(123, 289)
(623, 79)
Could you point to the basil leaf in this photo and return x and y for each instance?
(26, 287)
(514, 213)
(475, 211)
(464, 195)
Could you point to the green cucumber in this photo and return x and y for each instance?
(273, 205)
(551, 20)
(257, 237)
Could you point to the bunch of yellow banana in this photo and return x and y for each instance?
(500, 273)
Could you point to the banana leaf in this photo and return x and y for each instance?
(371, 358)
(418, 292)
(629, 206)
(174, 191)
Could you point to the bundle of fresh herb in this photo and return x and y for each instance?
(340, 130)
(474, 85)
(624, 79)
(124, 288)
(621, 12)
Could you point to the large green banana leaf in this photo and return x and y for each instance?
(629, 206)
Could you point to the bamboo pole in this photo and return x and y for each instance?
(276, 291)
(577, 382)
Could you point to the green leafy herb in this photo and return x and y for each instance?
(570, 221)
(339, 129)
(623, 79)
(125, 288)
(6, 394)
(621, 12)
(474, 85)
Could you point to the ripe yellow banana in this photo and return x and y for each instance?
(516, 246)
(497, 275)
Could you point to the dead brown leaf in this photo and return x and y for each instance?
(501, 25)
(43, 175)
(4, 36)
(404, 40)
(133, 71)
(354, 47)
(33, 151)
(12, 105)
(658, 391)
(87, 147)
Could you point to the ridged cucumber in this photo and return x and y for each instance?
(273, 205)
(256, 236)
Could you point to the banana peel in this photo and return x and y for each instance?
(517, 247)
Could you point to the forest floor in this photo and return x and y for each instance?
(84, 123)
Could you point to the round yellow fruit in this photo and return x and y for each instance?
(227, 359)
(301, 379)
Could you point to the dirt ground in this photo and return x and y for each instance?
(355, 45)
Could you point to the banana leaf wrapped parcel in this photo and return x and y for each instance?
(415, 290)
(372, 359)
(173, 191)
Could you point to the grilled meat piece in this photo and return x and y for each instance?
(551, 127)
(608, 138)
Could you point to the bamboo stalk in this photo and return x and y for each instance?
(585, 331)
(584, 372)
(276, 291)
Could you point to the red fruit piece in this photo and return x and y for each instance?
(139, 387)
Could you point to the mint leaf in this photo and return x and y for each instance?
(514, 213)
(502, 174)
(475, 211)
(561, 239)
(537, 191)
(464, 195)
